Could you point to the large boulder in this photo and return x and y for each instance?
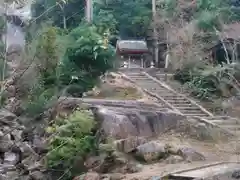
(7, 118)
(89, 176)
(151, 151)
(122, 125)
(129, 144)
(190, 154)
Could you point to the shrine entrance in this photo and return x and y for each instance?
(133, 54)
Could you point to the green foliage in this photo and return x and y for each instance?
(133, 17)
(58, 10)
(70, 63)
(105, 21)
(209, 15)
(44, 51)
(209, 83)
(73, 139)
(37, 99)
(47, 55)
(2, 25)
(86, 57)
(3, 63)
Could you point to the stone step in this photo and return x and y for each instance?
(146, 81)
(153, 87)
(136, 110)
(176, 100)
(231, 127)
(142, 76)
(179, 102)
(126, 104)
(191, 111)
(188, 107)
(201, 114)
(236, 133)
(222, 118)
(174, 97)
(225, 122)
(129, 106)
(196, 115)
(185, 106)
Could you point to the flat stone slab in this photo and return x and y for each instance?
(207, 172)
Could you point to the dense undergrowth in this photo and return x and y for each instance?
(195, 31)
(210, 83)
(71, 140)
(59, 60)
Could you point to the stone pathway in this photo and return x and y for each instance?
(178, 102)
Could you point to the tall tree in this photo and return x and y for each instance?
(132, 17)
(63, 13)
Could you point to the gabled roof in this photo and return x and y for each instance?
(138, 45)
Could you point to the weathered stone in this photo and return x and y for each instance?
(202, 131)
(26, 177)
(13, 175)
(174, 159)
(39, 146)
(3, 177)
(151, 151)
(96, 163)
(116, 176)
(37, 175)
(124, 124)
(236, 174)
(119, 158)
(1, 134)
(11, 91)
(30, 161)
(5, 144)
(130, 167)
(88, 176)
(37, 166)
(134, 168)
(189, 154)
(11, 158)
(105, 177)
(6, 130)
(17, 134)
(5, 141)
(7, 167)
(7, 118)
(26, 150)
(129, 144)
(118, 126)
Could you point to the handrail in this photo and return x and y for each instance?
(170, 89)
(150, 93)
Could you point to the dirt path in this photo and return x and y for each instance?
(213, 151)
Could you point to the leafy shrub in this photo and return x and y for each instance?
(208, 83)
(86, 58)
(37, 99)
(72, 140)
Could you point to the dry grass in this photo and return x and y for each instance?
(108, 91)
(114, 87)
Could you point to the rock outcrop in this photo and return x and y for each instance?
(18, 158)
(122, 125)
(22, 150)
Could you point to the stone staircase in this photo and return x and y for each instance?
(172, 99)
(181, 103)
(119, 105)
